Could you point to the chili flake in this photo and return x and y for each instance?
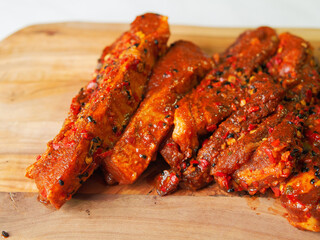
(211, 127)
(253, 109)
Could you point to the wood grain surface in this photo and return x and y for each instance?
(41, 68)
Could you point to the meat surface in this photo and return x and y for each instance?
(273, 161)
(276, 157)
(300, 195)
(266, 95)
(100, 112)
(175, 74)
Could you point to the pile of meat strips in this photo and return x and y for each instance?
(247, 119)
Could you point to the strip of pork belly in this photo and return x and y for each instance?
(300, 195)
(175, 74)
(266, 96)
(68, 161)
(293, 61)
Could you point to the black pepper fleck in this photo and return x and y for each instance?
(312, 181)
(5, 234)
(143, 156)
(230, 135)
(167, 116)
(230, 190)
(128, 95)
(85, 174)
(295, 152)
(95, 139)
(219, 73)
(176, 106)
(156, 42)
(61, 182)
(90, 119)
(114, 129)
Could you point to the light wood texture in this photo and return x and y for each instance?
(41, 68)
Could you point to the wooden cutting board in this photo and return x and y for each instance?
(41, 68)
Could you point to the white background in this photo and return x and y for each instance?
(15, 14)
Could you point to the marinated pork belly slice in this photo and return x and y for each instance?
(74, 154)
(273, 161)
(300, 195)
(293, 61)
(239, 153)
(175, 74)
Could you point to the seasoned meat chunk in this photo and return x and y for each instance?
(300, 195)
(73, 155)
(174, 75)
